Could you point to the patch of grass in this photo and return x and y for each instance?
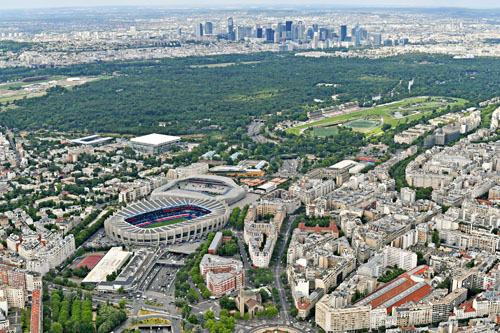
(325, 131)
(260, 276)
(259, 95)
(391, 275)
(146, 313)
(362, 124)
(164, 223)
(151, 321)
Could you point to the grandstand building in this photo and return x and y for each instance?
(93, 140)
(201, 187)
(171, 220)
(235, 171)
(187, 171)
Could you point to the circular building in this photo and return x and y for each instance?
(201, 187)
(167, 221)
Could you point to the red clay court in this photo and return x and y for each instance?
(90, 261)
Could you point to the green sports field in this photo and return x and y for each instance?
(325, 131)
(391, 113)
(361, 124)
(162, 224)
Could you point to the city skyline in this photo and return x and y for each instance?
(27, 4)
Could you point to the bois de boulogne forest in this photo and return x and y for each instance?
(249, 170)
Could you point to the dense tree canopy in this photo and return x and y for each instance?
(188, 99)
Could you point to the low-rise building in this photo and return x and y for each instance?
(333, 319)
(441, 309)
(249, 301)
(261, 236)
(222, 275)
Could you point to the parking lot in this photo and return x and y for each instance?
(248, 200)
(289, 166)
(100, 239)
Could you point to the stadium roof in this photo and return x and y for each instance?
(155, 139)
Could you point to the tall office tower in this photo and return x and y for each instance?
(288, 29)
(343, 32)
(179, 32)
(315, 41)
(310, 33)
(315, 28)
(295, 32)
(357, 35)
(249, 32)
(280, 29)
(242, 32)
(323, 34)
(259, 32)
(301, 32)
(209, 28)
(355, 29)
(198, 30)
(364, 33)
(377, 39)
(269, 35)
(230, 29)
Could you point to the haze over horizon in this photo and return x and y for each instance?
(27, 4)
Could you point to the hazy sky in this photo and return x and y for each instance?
(9, 4)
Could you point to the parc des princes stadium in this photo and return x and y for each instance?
(182, 210)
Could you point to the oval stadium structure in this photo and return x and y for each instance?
(201, 187)
(167, 221)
